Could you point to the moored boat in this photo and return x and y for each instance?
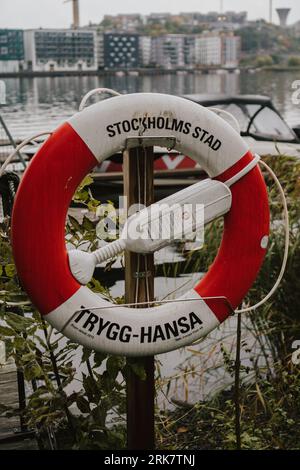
(259, 122)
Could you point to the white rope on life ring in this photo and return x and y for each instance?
(50, 182)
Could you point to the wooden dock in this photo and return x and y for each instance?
(10, 436)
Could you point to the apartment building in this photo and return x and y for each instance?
(173, 50)
(213, 49)
(11, 50)
(60, 50)
(145, 51)
(121, 50)
(87, 49)
(208, 50)
(231, 50)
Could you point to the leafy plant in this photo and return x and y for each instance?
(269, 396)
(92, 415)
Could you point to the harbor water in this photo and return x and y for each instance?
(42, 103)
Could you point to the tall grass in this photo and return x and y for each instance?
(269, 393)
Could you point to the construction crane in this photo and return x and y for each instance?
(221, 7)
(76, 21)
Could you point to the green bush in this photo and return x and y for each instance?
(294, 61)
(264, 60)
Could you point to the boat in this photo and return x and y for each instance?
(257, 120)
(261, 124)
(255, 116)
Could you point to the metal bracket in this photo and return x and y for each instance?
(150, 141)
(142, 274)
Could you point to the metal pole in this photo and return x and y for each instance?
(271, 11)
(237, 384)
(12, 142)
(139, 287)
(22, 399)
(10, 138)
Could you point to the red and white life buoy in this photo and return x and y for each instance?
(43, 198)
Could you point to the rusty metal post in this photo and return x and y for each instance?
(139, 287)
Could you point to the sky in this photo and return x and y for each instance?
(57, 14)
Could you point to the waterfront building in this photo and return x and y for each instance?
(100, 50)
(145, 50)
(121, 50)
(231, 50)
(60, 50)
(173, 50)
(11, 50)
(189, 50)
(88, 49)
(208, 50)
(213, 49)
(99, 44)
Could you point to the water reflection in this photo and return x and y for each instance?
(61, 95)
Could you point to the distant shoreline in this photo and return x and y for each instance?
(147, 71)
(114, 72)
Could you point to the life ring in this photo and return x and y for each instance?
(46, 190)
